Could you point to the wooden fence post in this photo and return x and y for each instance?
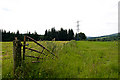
(24, 47)
(16, 54)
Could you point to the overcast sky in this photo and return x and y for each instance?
(97, 17)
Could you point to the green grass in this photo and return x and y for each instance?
(76, 59)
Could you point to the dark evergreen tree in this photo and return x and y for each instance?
(46, 35)
(70, 34)
(53, 33)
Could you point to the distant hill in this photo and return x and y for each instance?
(111, 37)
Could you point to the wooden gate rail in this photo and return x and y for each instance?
(34, 57)
(40, 45)
(34, 50)
(35, 61)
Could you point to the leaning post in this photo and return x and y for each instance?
(16, 53)
(24, 47)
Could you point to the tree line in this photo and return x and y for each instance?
(58, 35)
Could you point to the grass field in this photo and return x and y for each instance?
(76, 59)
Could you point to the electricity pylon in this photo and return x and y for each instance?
(78, 30)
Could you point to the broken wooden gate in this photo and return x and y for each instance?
(24, 47)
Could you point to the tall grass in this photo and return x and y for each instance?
(76, 59)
